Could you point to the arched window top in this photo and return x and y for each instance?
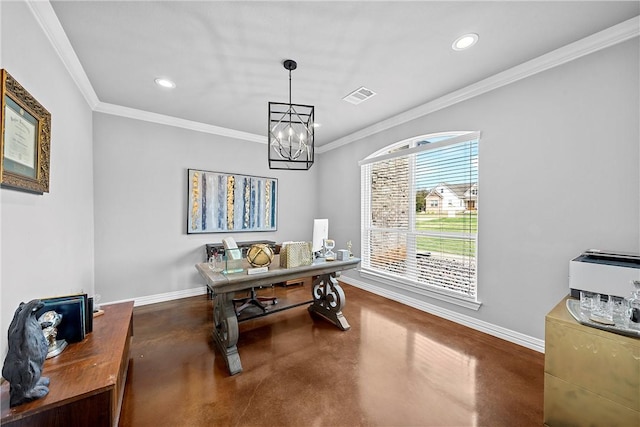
(420, 143)
(416, 141)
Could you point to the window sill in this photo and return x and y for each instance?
(406, 285)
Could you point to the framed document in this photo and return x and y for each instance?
(25, 134)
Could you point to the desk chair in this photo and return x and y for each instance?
(253, 298)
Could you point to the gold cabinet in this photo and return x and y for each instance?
(591, 376)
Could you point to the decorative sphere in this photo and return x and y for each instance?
(260, 255)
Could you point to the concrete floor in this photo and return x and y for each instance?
(396, 366)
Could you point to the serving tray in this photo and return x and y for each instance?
(583, 318)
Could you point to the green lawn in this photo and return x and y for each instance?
(464, 223)
(467, 223)
(449, 246)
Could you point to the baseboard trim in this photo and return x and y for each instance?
(479, 325)
(167, 296)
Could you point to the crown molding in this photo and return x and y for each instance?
(48, 21)
(606, 38)
(147, 116)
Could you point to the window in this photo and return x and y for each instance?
(408, 237)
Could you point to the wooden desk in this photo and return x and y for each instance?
(328, 298)
(87, 378)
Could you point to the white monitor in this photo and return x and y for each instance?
(320, 232)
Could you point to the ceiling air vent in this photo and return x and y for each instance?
(359, 95)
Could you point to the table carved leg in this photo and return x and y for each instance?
(225, 331)
(329, 299)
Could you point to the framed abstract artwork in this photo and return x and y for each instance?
(222, 202)
(25, 135)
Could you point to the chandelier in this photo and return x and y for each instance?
(291, 132)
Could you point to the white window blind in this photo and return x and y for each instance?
(419, 213)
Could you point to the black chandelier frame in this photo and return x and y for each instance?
(295, 150)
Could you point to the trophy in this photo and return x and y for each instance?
(49, 322)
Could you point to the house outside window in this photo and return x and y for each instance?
(432, 251)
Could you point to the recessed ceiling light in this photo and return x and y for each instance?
(165, 83)
(465, 42)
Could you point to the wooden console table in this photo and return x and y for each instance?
(87, 378)
(328, 298)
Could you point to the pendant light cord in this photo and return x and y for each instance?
(289, 87)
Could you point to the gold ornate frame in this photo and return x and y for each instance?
(25, 139)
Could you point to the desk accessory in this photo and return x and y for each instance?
(295, 254)
(327, 246)
(232, 261)
(232, 256)
(77, 317)
(216, 263)
(49, 322)
(260, 255)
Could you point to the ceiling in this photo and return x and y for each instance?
(226, 56)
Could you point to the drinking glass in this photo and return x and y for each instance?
(619, 310)
(603, 307)
(588, 301)
(216, 263)
(633, 310)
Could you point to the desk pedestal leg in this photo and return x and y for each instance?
(328, 300)
(225, 331)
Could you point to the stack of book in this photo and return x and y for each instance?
(77, 315)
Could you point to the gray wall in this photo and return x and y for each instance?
(140, 168)
(559, 173)
(47, 240)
